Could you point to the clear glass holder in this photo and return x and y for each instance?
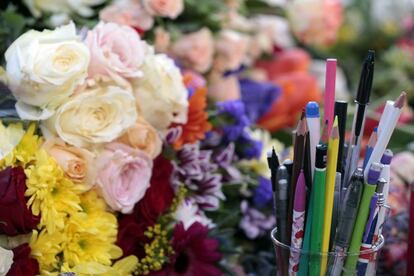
(295, 261)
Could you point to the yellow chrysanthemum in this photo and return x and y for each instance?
(25, 150)
(122, 267)
(91, 234)
(45, 248)
(52, 195)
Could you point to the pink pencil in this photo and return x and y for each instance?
(298, 223)
(330, 79)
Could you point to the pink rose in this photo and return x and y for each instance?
(117, 52)
(224, 88)
(195, 50)
(127, 12)
(231, 49)
(315, 22)
(123, 176)
(75, 162)
(164, 8)
(144, 137)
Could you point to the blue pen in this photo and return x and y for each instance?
(376, 201)
(370, 146)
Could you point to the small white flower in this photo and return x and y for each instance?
(6, 260)
(188, 213)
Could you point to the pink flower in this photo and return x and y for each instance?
(164, 8)
(117, 52)
(123, 176)
(127, 12)
(315, 22)
(231, 49)
(195, 50)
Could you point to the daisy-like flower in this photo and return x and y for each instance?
(91, 234)
(188, 213)
(197, 171)
(45, 249)
(51, 194)
(26, 149)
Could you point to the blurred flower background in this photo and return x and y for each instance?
(250, 67)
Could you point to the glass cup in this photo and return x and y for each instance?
(295, 261)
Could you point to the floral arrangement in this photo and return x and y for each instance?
(135, 132)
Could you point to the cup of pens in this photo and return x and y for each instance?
(296, 261)
(330, 208)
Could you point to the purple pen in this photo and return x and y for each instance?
(372, 207)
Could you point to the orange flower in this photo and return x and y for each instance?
(197, 124)
(289, 70)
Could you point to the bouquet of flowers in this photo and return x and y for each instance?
(135, 132)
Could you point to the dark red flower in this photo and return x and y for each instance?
(195, 253)
(23, 265)
(157, 200)
(15, 217)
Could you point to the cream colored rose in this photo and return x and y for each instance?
(75, 162)
(81, 7)
(44, 68)
(6, 260)
(164, 8)
(97, 115)
(144, 137)
(195, 50)
(161, 95)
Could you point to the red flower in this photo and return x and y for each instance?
(195, 253)
(157, 200)
(15, 217)
(23, 265)
(289, 70)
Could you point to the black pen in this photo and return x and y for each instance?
(362, 100)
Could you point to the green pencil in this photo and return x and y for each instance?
(318, 206)
(361, 220)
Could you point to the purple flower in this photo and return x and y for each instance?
(247, 147)
(258, 97)
(254, 223)
(263, 193)
(199, 174)
(225, 161)
(235, 118)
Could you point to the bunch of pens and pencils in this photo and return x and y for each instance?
(329, 207)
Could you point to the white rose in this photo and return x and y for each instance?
(161, 95)
(81, 7)
(6, 260)
(98, 115)
(44, 68)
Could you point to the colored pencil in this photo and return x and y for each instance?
(329, 192)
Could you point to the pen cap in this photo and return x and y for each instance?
(312, 110)
(387, 157)
(282, 173)
(365, 81)
(374, 173)
(380, 185)
(283, 189)
(321, 152)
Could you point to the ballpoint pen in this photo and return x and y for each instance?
(346, 222)
(362, 100)
(363, 212)
(366, 266)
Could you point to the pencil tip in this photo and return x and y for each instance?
(399, 103)
(335, 121)
(335, 132)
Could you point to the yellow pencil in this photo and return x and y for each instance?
(333, 147)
